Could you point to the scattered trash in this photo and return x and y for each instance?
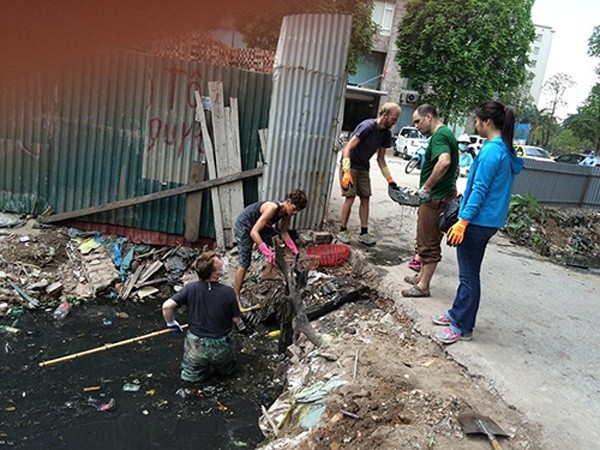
(9, 329)
(151, 392)
(61, 311)
(319, 390)
(428, 363)
(146, 291)
(106, 406)
(129, 387)
(145, 412)
(121, 315)
(274, 334)
(3, 308)
(91, 388)
(221, 407)
(32, 301)
(23, 239)
(106, 322)
(16, 311)
(54, 288)
(88, 245)
(349, 414)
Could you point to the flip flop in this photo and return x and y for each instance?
(415, 291)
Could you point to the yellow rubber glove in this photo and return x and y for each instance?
(347, 181)
(345, 164)
(456, 233)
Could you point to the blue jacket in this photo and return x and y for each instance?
(489, 186)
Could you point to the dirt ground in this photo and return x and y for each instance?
(401, 389)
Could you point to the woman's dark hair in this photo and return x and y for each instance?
(502, 117)
(298, 198)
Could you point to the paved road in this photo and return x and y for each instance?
(538, 329)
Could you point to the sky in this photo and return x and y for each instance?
(573, 22)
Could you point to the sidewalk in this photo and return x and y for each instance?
(536, 336)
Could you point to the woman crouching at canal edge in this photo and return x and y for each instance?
(482, 212)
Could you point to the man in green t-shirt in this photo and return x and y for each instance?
(437, 188)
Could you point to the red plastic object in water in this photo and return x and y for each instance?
(330, 255)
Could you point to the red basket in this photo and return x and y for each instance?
(330, 255)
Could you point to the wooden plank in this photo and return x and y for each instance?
(212, 172)
(193, 203)
(262, 138)
(235, 158)
(215, 92)
(151, 197)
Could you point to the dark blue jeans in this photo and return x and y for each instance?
(470, 256)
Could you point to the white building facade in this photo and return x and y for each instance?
(538, 58)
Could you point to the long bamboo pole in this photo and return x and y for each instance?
(107, 347)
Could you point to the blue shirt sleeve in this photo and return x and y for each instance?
(487, 167)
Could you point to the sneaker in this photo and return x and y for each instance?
(367, 239)
(414, 265)
(442, 319)
(447, 336)
(344, 237)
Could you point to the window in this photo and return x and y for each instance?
(533, 63)
(536, 50)
(538, 37)
(383, 16)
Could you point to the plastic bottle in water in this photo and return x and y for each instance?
(62, 310)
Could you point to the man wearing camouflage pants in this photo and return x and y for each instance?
(212, 308)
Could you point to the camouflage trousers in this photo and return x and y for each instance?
(202, 353)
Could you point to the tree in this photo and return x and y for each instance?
(594, 45)
(568, 142)
(465, 51)
(262, 28)
(585, 123)
(555, 87)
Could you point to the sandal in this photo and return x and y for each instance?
(415, 291)
(411, 279)
(414, 265)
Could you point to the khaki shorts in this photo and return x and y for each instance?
(361, 184)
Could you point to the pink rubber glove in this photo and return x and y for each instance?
(265, 250)
(291, 246)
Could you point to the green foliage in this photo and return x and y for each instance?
(262, 29)
(524, 215)
(568, 142)
(594, 45)
(546, 131)
(465, 51)
(585, 123)
(431, 439)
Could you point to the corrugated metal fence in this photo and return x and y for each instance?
(559, 184)
(118, 127)
(308, 90)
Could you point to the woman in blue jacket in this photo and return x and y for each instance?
(482, 212)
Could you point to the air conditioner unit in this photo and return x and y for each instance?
(409, 97)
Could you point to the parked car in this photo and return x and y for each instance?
(529, 151)
(409, 140)
(570, 158)
(476, 144)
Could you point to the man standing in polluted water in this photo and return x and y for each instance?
(212, 308)
(369, 137)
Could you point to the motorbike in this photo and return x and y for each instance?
(416, 161)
